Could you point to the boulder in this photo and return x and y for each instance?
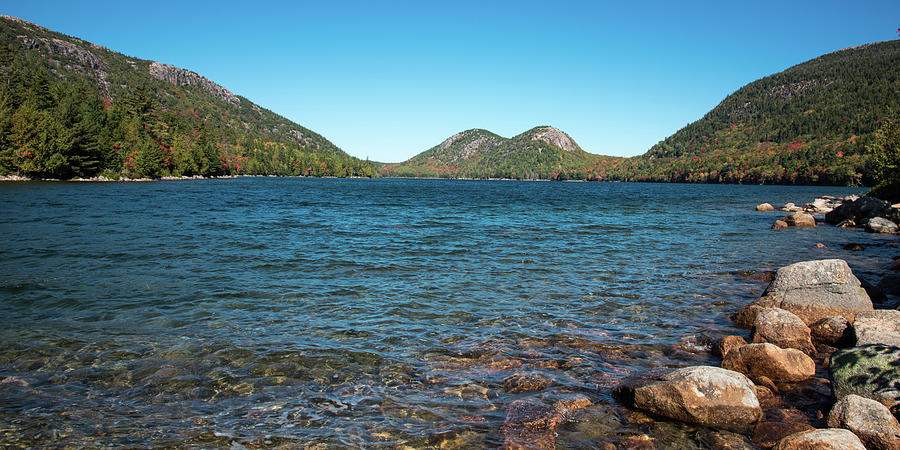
(779, 225)
(869, 420)
(860, 210)
(703, 395)
(726, 344)
(867, 207)
(820, 206)
(790, 207)
(765, 207)
(833, 331)
(766, 360)
(841, 214)
(799, 219)
(879, 326)
(782, 328)
(871, 371)
(880, 225)
(812, 290)
(824, 439)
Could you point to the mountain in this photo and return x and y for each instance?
(540, 153)
(809, 124)
(71, 108)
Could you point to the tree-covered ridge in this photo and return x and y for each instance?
(810, 124)
(540, 153)
(806, 125)
(69, 108)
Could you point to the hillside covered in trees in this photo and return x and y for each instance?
(810, 124)
(70, 109)
(542, 153)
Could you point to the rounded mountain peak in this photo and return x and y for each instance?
(553, 136)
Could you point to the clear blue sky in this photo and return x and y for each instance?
(387, 80)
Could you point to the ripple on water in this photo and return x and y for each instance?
(350, 313)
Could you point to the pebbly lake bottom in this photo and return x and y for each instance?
(265, 312)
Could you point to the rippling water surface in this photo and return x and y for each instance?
(262, 312)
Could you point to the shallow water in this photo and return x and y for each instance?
(262, 312)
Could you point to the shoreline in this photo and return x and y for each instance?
(816, 362)
(101, 179)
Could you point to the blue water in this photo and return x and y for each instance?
(262, 312)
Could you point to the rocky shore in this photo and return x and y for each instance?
(821, 366)
(872, 214)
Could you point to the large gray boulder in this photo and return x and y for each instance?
(880, 225)
(784, 329)
(869, 420)
(767, 361)
(870, 371)
(812, 290)
(703, 395)
(824, 439)
(880, 326)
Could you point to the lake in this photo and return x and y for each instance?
(349, 313)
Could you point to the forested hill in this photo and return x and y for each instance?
(70, 108)
(809, 124)
(540, 153)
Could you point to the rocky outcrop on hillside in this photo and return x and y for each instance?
(554, 137)
(62, 48)
(465, 144)
(184, 77)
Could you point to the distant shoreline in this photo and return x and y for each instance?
(148, 180)
(100, 179)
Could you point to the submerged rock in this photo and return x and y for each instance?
(869, 420)
(812, 290)
(768, 361)
(530, 424)
(722, 439)
(824, 439)
(880, 326)
(782, 328)
(870, 371)
(703, 395)
(779, 225)
(768, 434)
(525, 382)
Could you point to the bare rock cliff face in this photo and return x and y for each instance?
(184, 77)
(62, 48)
(466, 145)
(555, 137)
